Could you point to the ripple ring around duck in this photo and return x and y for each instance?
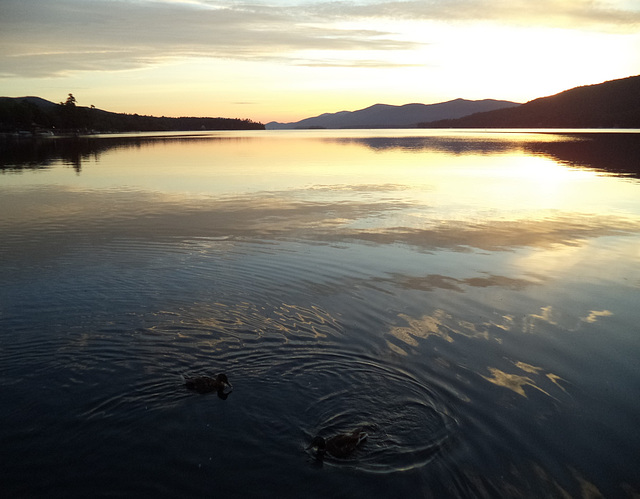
(407, 424)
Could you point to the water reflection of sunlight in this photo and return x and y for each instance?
(545, 171)
(453, 175)
(516, 182)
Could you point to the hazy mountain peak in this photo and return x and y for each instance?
(391, 116)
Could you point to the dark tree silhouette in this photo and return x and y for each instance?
(33, 114)
(71, 101)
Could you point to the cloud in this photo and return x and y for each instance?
(54, 38)
(335, 63)
(568, 14)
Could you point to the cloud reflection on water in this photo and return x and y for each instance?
(406, 339)
(512, 382)
(594, 315)
(500, 235)
(436, 281)
(282, 216)
(535, 379)
(438, 324)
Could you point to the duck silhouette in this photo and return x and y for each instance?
(340, 446)
(205, 384)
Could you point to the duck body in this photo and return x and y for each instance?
(339, 446)
(205, 384)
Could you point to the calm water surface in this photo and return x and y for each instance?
(469, 299)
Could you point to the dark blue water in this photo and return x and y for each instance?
(469, 300)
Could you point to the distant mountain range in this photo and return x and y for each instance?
(612, 104)
(388, 116)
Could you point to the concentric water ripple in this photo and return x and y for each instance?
(289, 365)
(408, 425)
(290, 369)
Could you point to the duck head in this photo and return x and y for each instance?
(318, 443)
(222, 379)
(224, 387)
(320, 446)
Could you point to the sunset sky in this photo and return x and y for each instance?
(287, 60)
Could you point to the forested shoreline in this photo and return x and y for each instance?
(33, 115)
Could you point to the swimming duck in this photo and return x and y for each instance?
(205, 384)
(339, 446)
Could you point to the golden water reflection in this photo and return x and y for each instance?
(437, 190)
(512, 382)
(517, 382)
(439, 324)
(404, 340)
(232, 162)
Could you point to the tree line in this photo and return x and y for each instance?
(34, 115)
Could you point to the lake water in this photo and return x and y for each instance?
(470, 299)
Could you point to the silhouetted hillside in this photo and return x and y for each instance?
(37, 114)
(612, 104)
(387, 116)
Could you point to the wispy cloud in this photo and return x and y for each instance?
(569, 14)
(53, 38)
